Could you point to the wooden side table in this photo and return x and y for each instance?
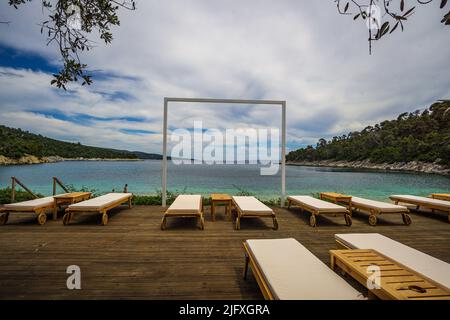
(337, 198)
(221, 199)
(67, 199)
(395, 281)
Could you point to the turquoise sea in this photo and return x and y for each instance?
(144, 177)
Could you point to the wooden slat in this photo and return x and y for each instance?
(401, 283)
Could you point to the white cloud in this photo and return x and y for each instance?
(303, 52)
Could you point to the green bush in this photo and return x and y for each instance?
(5, 195)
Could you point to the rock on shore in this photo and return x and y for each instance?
(415, 166)
(29, 159)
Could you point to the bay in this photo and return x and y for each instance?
(144, 177)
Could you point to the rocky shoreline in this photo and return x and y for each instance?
(413, 166)
(29, 159)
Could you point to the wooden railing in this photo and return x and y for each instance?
(56, 182)
(15, 181)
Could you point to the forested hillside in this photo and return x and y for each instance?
(416, 136)
(16, 143)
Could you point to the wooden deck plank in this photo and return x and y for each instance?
(132, 258)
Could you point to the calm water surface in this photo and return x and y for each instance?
(144, 177)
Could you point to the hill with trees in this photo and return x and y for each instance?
(416, 136)
(17, 143)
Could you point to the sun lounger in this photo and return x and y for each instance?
(37, 206)
(433, 204)
(100, 204)
(250, 207)
(286, 270)
(434, 269)
(185, 206)
(317, 206)
(376, 208)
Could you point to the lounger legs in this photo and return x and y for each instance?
(104, 218)
(313, 220)
(289, 204)
(42, 217)
(66, 218)
(275, 223)
(200, 219)
(406, 219)
(238, 222)
(202, 223)
(163, 223)
(247, 260)
(373, 219)
(55, 212)
(4, 218)
(348, 220)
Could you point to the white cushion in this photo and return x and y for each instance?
(185, 203)
(378, 205)
(293, 273)
(416, 199)
(317, 204)
(428, 266)
(101, 202)
(31, 205)
(251, 205)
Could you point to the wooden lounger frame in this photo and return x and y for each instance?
(240, 214)
(373, 213)
(250, 260)
(398, 282)
(41, 213)
(198, 215)
(341, 245)
(418, 204)
(70, 211)
(314, 212)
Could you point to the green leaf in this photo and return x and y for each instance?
(409, 11)
(443, 3)
(383, 30)
(395, 27)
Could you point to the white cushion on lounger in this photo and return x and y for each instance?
(31, 204)
(424, 200)
(379, 205)
(101, 202)
(294, 273)
(251, 205)
(428, 266)
(185, 203)
(318, 204)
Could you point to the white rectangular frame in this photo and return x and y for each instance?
(226, 101)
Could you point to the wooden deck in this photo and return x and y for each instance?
(132, 258)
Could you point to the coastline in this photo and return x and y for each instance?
(413, 166)
(5, 161)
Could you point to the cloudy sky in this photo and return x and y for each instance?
(300, 51)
